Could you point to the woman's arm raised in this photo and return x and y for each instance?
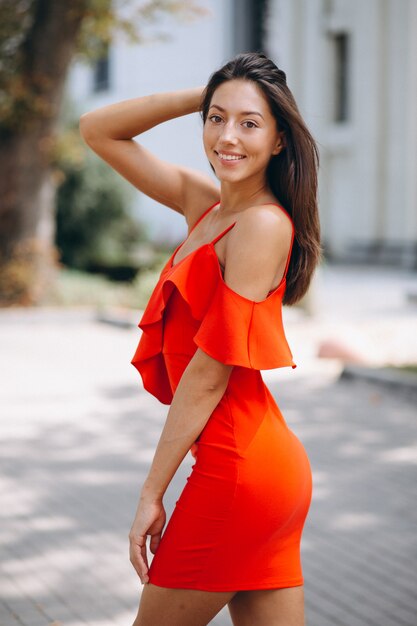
(109, 131)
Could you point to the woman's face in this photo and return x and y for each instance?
(240, 133)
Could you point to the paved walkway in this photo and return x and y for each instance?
(78, 434)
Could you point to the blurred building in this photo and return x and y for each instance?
(352, 66)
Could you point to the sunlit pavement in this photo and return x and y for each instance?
(78, 434)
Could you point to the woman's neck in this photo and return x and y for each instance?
(237, 196)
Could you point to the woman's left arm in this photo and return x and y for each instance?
(199, 391)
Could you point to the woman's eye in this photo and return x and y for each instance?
(213, 116)
(249, 122)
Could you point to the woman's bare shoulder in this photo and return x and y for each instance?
(262, 225)
(267, 215)
(256, 248)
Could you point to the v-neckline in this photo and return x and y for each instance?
(208, 243)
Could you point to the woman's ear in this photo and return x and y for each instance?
(280, 145)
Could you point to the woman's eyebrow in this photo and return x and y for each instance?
(241, 113)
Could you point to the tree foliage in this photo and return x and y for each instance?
(27, 40)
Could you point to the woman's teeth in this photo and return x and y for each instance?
(229, 157)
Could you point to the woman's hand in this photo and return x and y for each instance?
(149, 520)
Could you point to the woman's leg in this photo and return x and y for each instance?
(268, 607)
(160, 606)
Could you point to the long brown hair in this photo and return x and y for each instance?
(291, 174)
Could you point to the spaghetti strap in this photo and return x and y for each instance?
(216, 239)
(284, 211)
(289, 254)
(203, 215)
(292, 239)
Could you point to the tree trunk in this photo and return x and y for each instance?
(27, 190)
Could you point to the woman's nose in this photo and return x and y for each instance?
(229, 132)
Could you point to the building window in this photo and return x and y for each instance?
(341, 52)
(101, 73)
(249, 17)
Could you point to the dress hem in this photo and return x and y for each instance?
(239, 587)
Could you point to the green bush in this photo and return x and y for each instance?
(94, 228)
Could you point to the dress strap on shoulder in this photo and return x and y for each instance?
(292, 236)
(216, 239)
(204, 214)
(289, 253)
(285, 212)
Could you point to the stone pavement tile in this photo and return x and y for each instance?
(22, 605)
(7, 617)
(41, 596)
(359, 593)
(64, 581)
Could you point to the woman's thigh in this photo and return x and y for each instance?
(268, 607)
(179, 607)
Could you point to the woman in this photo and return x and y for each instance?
(212, 323)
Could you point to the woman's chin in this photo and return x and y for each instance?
(231, 177)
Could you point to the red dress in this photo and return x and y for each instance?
(238, 522)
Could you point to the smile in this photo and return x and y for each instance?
(230, 157)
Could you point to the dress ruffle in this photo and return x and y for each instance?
(234, 330)
(238, 331)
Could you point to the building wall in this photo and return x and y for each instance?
(368, 199)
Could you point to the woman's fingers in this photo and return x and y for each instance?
(154, 543)
(144, 555)
(139, 558)
(149, 520)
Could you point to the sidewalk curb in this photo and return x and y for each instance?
(121, 319)
(47, 314)
(386, 376)
(114, 316)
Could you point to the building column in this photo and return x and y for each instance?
(410, 161)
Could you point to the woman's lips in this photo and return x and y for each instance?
(229, 161)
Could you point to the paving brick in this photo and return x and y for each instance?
(7, 617)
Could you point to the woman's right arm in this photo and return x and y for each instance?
(109, 132)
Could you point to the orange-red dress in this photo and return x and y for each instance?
(238, 522)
